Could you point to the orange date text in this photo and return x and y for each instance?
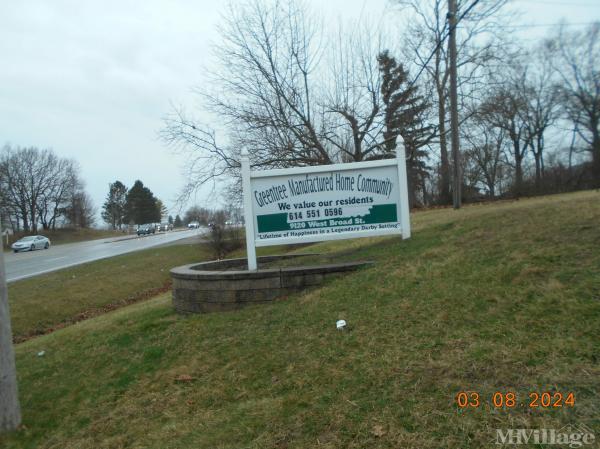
(510, 399)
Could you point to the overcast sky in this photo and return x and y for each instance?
(93, 79)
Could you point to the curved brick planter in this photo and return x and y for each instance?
(224, 285)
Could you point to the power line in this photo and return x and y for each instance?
(443, 38)
(437, 47)
(441, 41)
(540, 25)
(559, 3)
(453, 21)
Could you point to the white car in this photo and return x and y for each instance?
(193, 225)
(30, 243)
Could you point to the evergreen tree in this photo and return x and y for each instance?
(113, 209)
(170, 220)
(162, 209)
(178, 222)
(140, 206)
(404, 115)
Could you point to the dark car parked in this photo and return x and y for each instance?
(146, 229)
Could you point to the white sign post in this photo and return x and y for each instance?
(325, 202)
(248, 215)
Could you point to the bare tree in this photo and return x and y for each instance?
(542, 106)
(16, 190)
(425, 36)
(486, 149)
(578, 63)
(61, 185)
(288, 101)
(81, 212)
(520, 106)
(36, 186)
(267, 57)
(505, 107)
(10, 210)
(10, 411)
(355, 109)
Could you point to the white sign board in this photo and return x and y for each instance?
(327, 202)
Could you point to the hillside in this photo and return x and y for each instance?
(494, 298)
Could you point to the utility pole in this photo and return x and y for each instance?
(457, 178)
(10, 411)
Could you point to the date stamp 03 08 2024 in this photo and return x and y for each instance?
(511, 400)
(572, 436)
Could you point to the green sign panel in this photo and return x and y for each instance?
(382, 213)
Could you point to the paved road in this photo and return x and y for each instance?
(32, 263)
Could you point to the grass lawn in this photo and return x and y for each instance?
(59, 298)
(502, 297)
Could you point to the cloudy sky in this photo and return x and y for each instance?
(93, 79)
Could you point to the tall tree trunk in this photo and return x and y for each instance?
(596, 169)
(424, 189)
(516, 141)
(445, 197)
(25, 220)
(596, 155)
(491, 186)
(539, 162)
(538, 170)
(33, 219)
(572, 146)
(10, 411)
(412, 184)
(518, 174)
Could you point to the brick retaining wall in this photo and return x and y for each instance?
(218, 286)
